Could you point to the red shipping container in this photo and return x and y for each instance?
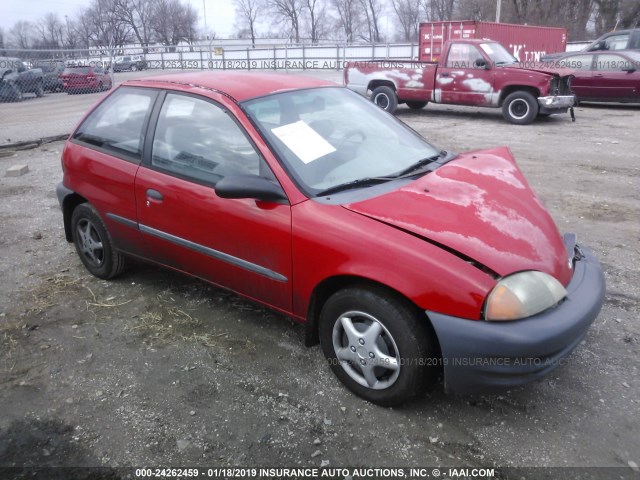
(526, 42)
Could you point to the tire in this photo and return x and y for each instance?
(134, 68)
(520, 108)
(416, 105)
(17, 95)
(386, 98)
(39, 91)
(385, 330)
(93, 243)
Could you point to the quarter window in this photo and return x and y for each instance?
(199, 140)
(118, 123)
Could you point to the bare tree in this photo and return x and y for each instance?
(136, 14)
(373, 10)
(107, 28)
(478, 10)
(441, 9)
(247, 14)
(290, 11)
(316, 10)
(408, 16)
(349, 15)
(50, 31)
(21, 34)
(173, 22)
(630, 14)
(606, 15)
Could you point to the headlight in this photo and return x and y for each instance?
(523, 294)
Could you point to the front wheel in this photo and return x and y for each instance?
(416, 105)
(377, 346)
(385, 97)
(39, 90)
(520, 108)
(17, 95)
(93, 243)
(134, 68)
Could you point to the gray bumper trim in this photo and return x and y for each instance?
(484, 356)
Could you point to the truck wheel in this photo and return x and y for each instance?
(39, 91)
(134, 68)
(520, 108)
(416, 105)
(377, 345)
(385, 97)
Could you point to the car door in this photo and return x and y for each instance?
(612, 79)
(460, 81)
(241, 244)
(582, 83)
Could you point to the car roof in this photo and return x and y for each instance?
(238, 85)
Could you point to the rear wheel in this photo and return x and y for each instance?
(93, 243)
(377, 346)
(385, 97)
(416, 105)
(520, 108)
(17, 95)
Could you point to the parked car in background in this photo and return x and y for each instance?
(403, 259)
(52, 71)
(130, 63)
(85, 79)
(605, 76)
(616, 40)
(16, 79)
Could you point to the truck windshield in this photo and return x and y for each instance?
(327, 137)
(498, 54)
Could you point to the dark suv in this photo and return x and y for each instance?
(616, 40)
(16, 79)
(130, 63)
(52, 71)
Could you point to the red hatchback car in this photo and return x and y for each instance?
(85, 79)
(402, 259)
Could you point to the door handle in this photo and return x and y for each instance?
(598, 75)
(154, 195)
(444, 74)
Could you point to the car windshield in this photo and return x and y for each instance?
(498, 54)
(327, 137)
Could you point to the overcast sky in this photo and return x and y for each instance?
(220, 13)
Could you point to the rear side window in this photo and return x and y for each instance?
(118, 124)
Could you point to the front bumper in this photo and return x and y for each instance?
(556, 102)
(480, 356)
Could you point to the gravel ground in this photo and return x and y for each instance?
(155, 368)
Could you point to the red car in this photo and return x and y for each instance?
(85, 79)
(605, 76)
(401, 258)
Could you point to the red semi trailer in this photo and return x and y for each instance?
(527, 43)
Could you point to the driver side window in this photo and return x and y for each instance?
(198, 140)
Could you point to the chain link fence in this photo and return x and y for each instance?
(44, 93)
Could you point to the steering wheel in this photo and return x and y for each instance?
(351, 134)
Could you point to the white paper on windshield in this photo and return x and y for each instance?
(304, 141)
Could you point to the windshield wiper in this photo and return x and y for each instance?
(419, 164)
(361, 182)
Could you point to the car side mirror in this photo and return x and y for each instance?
(481, 63)
(249, 186)
(629, 69)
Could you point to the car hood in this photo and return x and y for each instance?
(480, 206)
